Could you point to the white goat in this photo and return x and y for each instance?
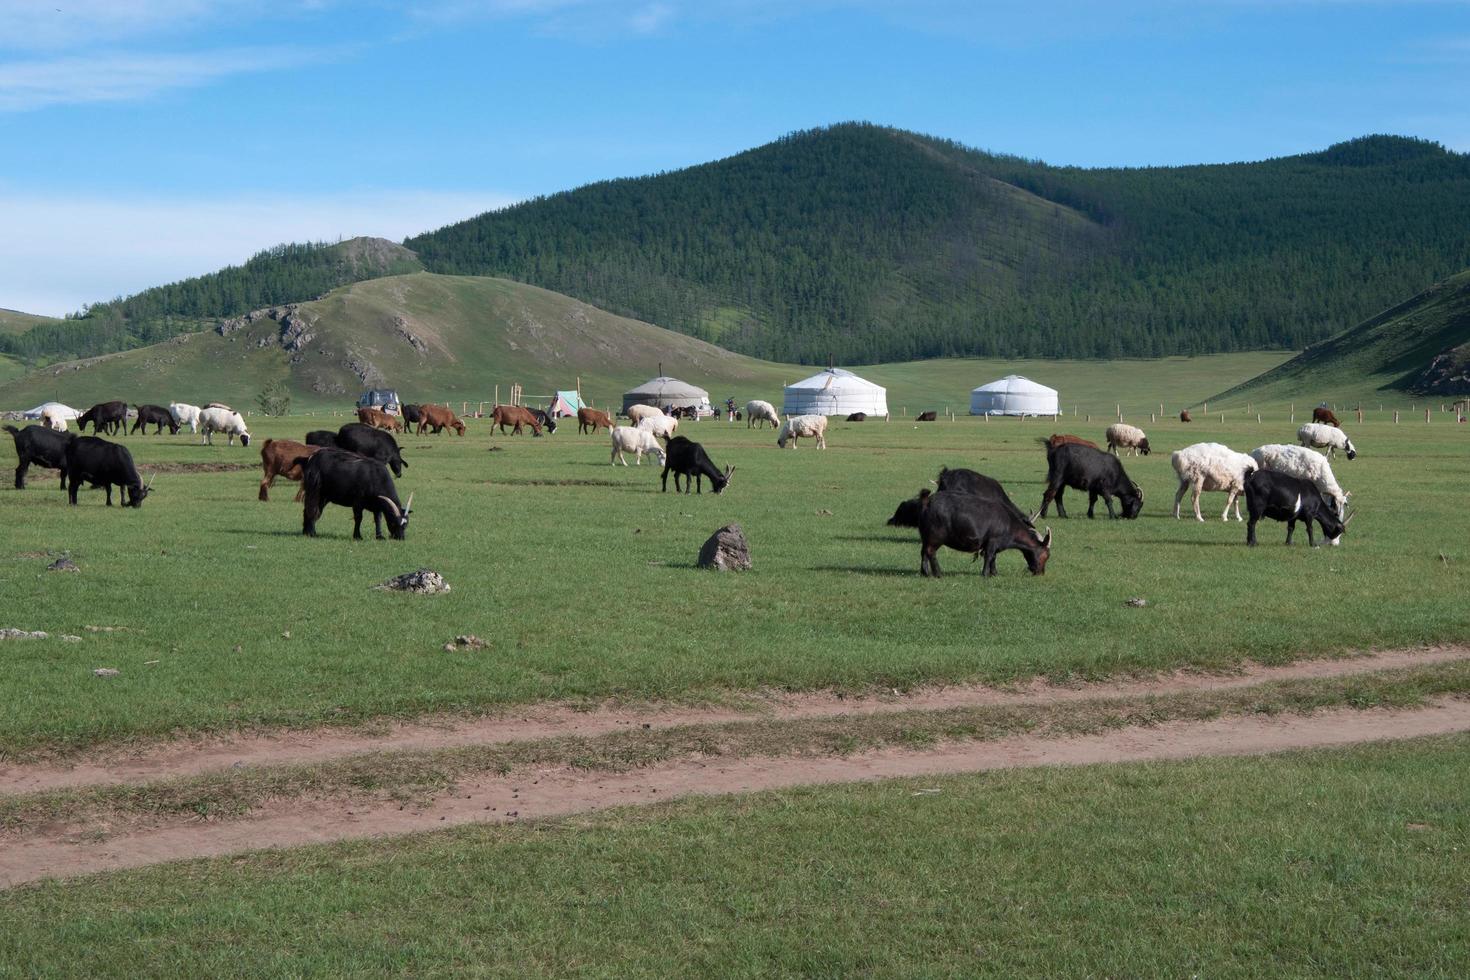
(758, 411)
(1319, 436)
(1301, 462)
(52, 418)
(213, 420)
(637, 413)
(1212, 466)
(626, 438)
(660, 425)
(797, 426)
(185, 414)
(1129, 437)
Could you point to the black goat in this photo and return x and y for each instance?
(109, 416)
(41, 445)
(103, 464)
(322, 437)
(1290, 499)
(977, 525)
(1097, 472)
(372, 443)
(334, 476)
(155, 415)
(687, 458)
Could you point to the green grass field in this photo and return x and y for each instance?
(581, 577)
(1346, 863)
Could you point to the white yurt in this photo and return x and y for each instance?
(55, 408)
(834, 392)
(1013, 395)
(663, 391)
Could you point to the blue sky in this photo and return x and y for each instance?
(146, 140)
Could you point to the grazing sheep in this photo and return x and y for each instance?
(758, 411)
(52, 419)
(797, 426)
(626, 438)
(637, 413)
(1129, 437)
(213, 420)
(185, 414)
(663, 426)
(1212, 466)
(1304, 464)
(1317, 436)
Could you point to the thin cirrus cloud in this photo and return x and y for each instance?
(122, 77)
(80, 249)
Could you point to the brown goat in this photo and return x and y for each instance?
(514, 415)
(379, 419)
(1064, 440)
(438, 418)
(278, 457)
(1324, 415)
(590, 419)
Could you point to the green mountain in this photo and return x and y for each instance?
(459, 338)
(284, 274)
(872, 244)
(1419, 347)
(14, 322)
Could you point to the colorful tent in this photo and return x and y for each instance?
(564, 405)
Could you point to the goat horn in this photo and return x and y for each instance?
(1035, 516)
(397, 514)
(150, 480)
(1349, 518)
(408, 506)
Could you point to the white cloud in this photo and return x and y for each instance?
(60, 253)
(26, 85)
(59, 24)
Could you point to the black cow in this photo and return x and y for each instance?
(103, 464)
(1100, 474)
(155, 415)
(41, 445)
(372, 443)
(978, 525)
(1290, 499)
(410, 415)
(546, 420)
(858, 417)
(334, 476)
(111, 416)
(321, 437)
(687, 458)
(927, 417)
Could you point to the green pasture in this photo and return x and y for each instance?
(1331, 864)
(581, 577)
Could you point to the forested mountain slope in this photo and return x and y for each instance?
(872, 244)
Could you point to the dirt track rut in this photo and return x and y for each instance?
(495, 799)
(194, 757)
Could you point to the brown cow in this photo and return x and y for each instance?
(379, 419)
(1064, 440)
(1184, 415)
(278, 458)
(516, 416)
(590, 419)
(1324, 415)
(438, 419)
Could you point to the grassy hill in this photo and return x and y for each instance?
(14, 322)
(284, 274)
(455, 338)
(874, 244)
(1387, 357)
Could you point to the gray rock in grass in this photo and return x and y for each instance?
(726, 550)
(422, 582)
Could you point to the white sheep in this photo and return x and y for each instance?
(185, 414)
(661, 425)
(637, 413)
(1301, 462)
(1319, 436)
(758, 411)
(52, 418)
(1129, 437)
(626, 438)
(1212, 466)
(213, 420)
(797, 426)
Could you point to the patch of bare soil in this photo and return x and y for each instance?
(201, 467)
(553, 793)
(533, 723)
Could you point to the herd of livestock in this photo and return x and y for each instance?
(355, 465)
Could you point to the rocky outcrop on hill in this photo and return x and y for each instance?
(294, 326)
(1447, 374)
